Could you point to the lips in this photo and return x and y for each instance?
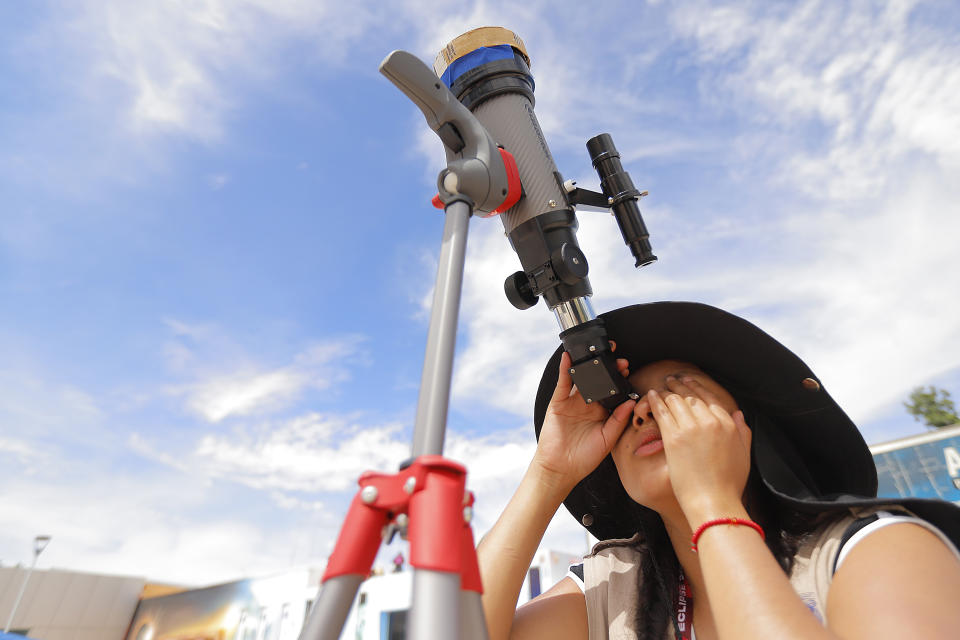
(649, 443)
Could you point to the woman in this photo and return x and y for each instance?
(733, 448)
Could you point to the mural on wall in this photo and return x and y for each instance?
(256, 609)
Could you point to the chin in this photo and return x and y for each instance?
(653, 491)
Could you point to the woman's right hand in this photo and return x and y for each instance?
(576, 436)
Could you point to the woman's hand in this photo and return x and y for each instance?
(707, 449)
(577, 436)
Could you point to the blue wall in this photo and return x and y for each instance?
(928, 470)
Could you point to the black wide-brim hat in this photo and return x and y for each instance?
(807, 451)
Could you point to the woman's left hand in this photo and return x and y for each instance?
(707, 449)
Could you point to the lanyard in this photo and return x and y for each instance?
(683, 604)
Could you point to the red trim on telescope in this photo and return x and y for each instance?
(514, 188)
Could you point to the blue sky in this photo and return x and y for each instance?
(217, 252)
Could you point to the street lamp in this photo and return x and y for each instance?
(39, 544)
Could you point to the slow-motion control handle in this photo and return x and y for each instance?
(476, 166)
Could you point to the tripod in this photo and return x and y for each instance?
(427, 497)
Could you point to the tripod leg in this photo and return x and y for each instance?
(434, 400)
(473, 624)
(435, 612)
(441, 549)
(330, 611)
(347, 568)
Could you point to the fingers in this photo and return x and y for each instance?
(623, 367)
(707, 396)
(746, 434)
(661, 412)
(564, 381)
(692, 399)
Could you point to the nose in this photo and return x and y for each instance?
(641, 413)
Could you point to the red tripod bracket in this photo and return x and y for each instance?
(432, 493)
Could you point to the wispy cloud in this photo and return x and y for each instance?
(310, 453)
(218, 181)
(245, 393)
(115, 523)
(862, 84)
(228, 381)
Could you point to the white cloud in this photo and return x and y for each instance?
(244, 393)
(23, 451)
(151, 528)
(228, 384)
(37, 408)
(313, 453)
(178, 65)
(218, 181)
(877, 88)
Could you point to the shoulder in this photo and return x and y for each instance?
(619, 556)
(895, 573)
(559, 613)
(607, 556)
(830, 543)
(867, 525)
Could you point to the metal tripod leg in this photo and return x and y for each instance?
(330, 611)
(434, 400)
(435, 613)
(440, 609)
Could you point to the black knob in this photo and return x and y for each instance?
(519, 293)
(569, 263)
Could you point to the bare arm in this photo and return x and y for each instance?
(506, 551)
(750, 596)
(574, 439)
(560, 613)
(899, 582)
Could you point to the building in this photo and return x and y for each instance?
(268, 608)
(69, 605)
(926, 465)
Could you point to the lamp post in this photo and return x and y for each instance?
(39, 544)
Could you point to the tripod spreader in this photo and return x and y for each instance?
(429, 499)
(430, 495)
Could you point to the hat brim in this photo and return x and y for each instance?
(812, 430)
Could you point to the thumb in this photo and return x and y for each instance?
(617, 422)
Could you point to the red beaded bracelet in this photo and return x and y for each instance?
(736, 521)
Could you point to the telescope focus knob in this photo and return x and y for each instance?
(518, 290)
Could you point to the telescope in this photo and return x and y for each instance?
(488, 71)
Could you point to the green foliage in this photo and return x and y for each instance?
(933, 406)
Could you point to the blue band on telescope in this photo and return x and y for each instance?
(474, 59)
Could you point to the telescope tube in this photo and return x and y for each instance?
(488, 70)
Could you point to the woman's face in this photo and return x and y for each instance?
(638, 454)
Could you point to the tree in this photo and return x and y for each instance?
(933, 406)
